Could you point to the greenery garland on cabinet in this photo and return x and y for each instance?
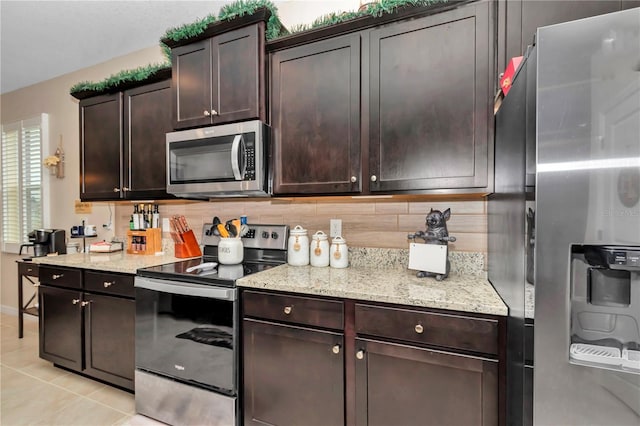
(230, 12)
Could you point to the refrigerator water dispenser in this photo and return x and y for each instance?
(605, 307)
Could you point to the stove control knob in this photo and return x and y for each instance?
(265, 234)
(274, 235)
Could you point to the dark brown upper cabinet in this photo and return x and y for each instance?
(122, 144)
(219, 79)
(430, 99)
(401, 106)
(147, 120)
(315, 113)
(100, 147)
(523, 17)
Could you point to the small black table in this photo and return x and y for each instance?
(26, 270)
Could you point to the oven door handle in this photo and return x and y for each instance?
(186, 289)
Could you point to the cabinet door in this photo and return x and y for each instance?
(405, 385)
(292, 375)
(61, 326)
(237, 81)
(100, 147)
(523, 17)
(147, 118)
(109, 324)
(431, 101)
(191, 82)
(315, 105)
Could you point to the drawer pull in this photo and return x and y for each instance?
(108, 284)
(75, 301)
(85, 303)
(336, 349)
(29, 269)
(56, 276)
(419, 328)
(287, 310)
(360, 354)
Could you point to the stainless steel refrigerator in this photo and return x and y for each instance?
(567, 200)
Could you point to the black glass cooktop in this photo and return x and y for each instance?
(186, 271)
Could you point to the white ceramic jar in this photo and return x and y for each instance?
(319, 249)
(298, 247)
(230, 251)
(339, 253)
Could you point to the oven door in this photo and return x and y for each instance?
(187, 332)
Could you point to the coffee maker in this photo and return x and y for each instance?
(45, 241)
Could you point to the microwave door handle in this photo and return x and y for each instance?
(237, 144)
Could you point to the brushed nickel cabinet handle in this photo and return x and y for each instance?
(75, 301)
(85, 303)
(374, 178)
(125, 188)
(354, 179)
(116, 189)
(419, 328)
(108, 284)
(207, 113)
(360, 354)
(287, 310)
(214, 112)
(336, 349)
(56, 276)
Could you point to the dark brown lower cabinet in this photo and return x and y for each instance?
(84, 330)
(309, 360)
(61, 326)
(292, 375)
(109, 345)
(406, 385)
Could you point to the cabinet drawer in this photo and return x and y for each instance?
(61, 277)
(294, 309)
(28, 269)
(453, 331)
(118, 284)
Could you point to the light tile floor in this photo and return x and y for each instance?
(34, 392)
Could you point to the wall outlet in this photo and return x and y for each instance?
(335, 228)
(165, 225)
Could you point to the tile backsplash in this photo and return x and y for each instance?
(376, 223)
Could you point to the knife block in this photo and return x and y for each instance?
(190, 247)
(145, 241)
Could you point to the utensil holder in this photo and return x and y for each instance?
(190, 247)
(145, 241)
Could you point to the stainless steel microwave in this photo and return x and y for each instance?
(218, 161)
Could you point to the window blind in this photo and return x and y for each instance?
(22, 179)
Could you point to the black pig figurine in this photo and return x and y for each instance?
(436, 233)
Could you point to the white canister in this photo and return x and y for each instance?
(339, 253)
(298, 247)
(319, 249)
(230, 251)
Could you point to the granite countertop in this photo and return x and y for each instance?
(465, 293)
(119, 261)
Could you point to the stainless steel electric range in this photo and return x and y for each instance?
(187, 330)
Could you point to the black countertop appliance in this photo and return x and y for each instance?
(45, 241)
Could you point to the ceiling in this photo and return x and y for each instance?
(40, 40)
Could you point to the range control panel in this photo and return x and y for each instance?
(273, 237)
